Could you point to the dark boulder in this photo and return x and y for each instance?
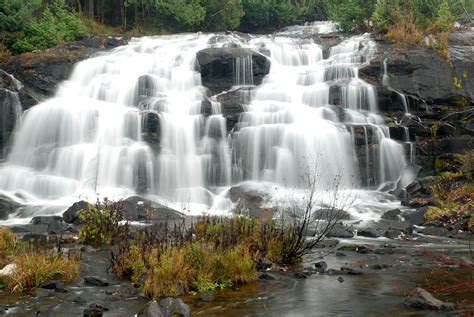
(332, 214)
(340, 231)
(218, 69)
(233, 104)
(71, 215)
(137, 208)
(369, 233)
(393, 214)
(422, 299)
(7, 206)
(94, 281)
(151, 309)
(174, 307)
(416, 217)
(45, 220)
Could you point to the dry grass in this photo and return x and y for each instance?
(405, 31)
(34, 268)
(443, 44)
(8, 243)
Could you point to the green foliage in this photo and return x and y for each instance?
(445, 18)
(352, 15)
(30, 25)
(222, 14)
(101, 223)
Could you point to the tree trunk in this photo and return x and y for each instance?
(91, 9)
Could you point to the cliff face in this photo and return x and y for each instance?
(439, 93)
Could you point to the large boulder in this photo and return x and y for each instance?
(137, 208)
(71, 215)
(422, 299)
(218, 66)
(7, 206)
(174, 307)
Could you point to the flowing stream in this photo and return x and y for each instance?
(92, 139)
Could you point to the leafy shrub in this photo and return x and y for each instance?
(101, 223)
(405, 31)
(444, 19)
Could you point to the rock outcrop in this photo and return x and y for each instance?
(218, 66)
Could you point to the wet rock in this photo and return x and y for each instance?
(340, 231)
(369, 233)
(42, 71)
(232, 104)
(93, 312)
(335, 272)
(266, 276)
(332, 214)
(174, 306)
(71, 215)
(351, 271)
(353, 248)
(403, 226)
(301, 274)
(379, 266)
(7, 206)
(206, 297)
(57, 227)
(340, 279)
(36, 238)
(383, 251)
(264, 264)
(436, 231)
(55, 285)
(339, 253)
(93, 281)
(251, 202)
(137, 208)
(321, 265)
(422, 299)
(42, 293)
(392, 234)
(417, 217)
(45, 220)
(393, 214)
(151, 309)
(45, 313)
(217, 66)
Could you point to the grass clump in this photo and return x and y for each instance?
(34, 267)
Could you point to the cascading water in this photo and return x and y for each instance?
(131, 121)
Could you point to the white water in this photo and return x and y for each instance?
(87, 141)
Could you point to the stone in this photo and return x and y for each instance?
(55, 285)
(339, 253)
(93, 281)
(340, 231)
(7, 206)
(369, 233)
(422, 299)
(332, 214)
(264, 264)
(340, 279)
(383, 251)
(136, 208)
(206, 297)
(436, 231)
(266, 276)
(393, 214)
(404, 226)
(174, 306)
(321, 264)
(351, 271)
(93, 312)
(392, 234)
(71, 215)
(416, 218)
(301, 274)
(36, 238)
(217, 66)
(57, 227)
(151, 309)
(335, 272)
(45, 220)
(8, 269)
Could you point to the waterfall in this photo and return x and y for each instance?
(137, 120)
